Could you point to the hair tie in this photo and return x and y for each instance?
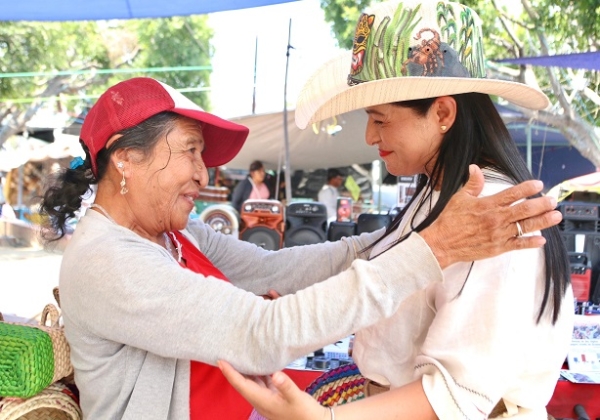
(76, 162)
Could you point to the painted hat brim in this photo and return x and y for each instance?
(327, 93)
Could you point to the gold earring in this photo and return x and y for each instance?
(443, 127)
(124, 189)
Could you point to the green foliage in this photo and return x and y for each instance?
(53, 47)
(343, 14)
(177, 41)
(46, 47)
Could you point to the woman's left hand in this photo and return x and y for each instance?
(276, 396)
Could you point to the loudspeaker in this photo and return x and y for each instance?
(578, 216)
(581, 275)
(591, 247)
(222, 218)
(337, 230)
(263, 223)
(368, 222)
(305, 223)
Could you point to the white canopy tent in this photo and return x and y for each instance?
(333, 143)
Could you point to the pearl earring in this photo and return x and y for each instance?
(443, 127)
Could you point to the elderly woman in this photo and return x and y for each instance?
(151, 300)
(491, 338)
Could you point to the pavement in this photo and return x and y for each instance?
(27, 277)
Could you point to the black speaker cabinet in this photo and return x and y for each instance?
(305, 223)
(368, 222)
(581, 275)
(591, 247)
(578, 216)
(337, 230)
(222, 218)
(263, 223)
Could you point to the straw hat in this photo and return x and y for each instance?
(405, 50)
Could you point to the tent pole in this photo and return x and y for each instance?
(529, 159)
(288, 169)
(254, 87)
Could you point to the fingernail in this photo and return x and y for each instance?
(539, 184)
(556, 216)
(277, 378)
(553, 201)
(219, 365)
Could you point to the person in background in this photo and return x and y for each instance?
(330, 192)
(489, 341)
(151, 299)
(252, 187)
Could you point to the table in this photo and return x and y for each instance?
(566, 394)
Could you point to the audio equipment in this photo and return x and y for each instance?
(337, 230)
(589, 244)
(305, 223)
(581, 275)
(263, 223)
(578, 216)
(368, 222)
(222, 218)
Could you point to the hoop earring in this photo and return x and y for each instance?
(124, 189)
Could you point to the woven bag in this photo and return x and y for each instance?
(335, 387)
(338, 386)
(33, 356)
(57, 402)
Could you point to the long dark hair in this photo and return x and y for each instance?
(67, 187)
(480, 137)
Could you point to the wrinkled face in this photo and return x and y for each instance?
(408, 143)
(166, 184)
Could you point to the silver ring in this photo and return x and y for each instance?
(519, 230)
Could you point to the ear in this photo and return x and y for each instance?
(445, 112)
(121, 156)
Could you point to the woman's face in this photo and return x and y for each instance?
(407, 142)
(258, 176)
(169, 181)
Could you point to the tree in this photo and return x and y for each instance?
(77, 59)
(529, 28)
(45, 50)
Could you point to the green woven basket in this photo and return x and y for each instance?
(26, 360)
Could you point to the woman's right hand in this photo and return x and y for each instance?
(472, 228)
(276, 396)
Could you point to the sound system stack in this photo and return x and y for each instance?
(263, 223)
(338, 230)
(580, 231)
(368, 222)
(305, 223)
(222, 218)
(581, 275)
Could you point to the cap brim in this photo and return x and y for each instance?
(327, 94)
(223, 139)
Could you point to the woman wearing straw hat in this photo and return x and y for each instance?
(494, 334)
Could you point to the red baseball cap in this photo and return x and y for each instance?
(133, 101)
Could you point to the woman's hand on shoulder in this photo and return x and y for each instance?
(275, 396)
(472, 228)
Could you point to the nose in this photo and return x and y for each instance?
(201, 174)
(371, 136)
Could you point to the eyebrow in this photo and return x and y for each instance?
(373, 112)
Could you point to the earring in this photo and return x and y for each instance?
(124, 189)
(443, 127)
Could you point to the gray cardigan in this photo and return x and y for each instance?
(134, 318)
